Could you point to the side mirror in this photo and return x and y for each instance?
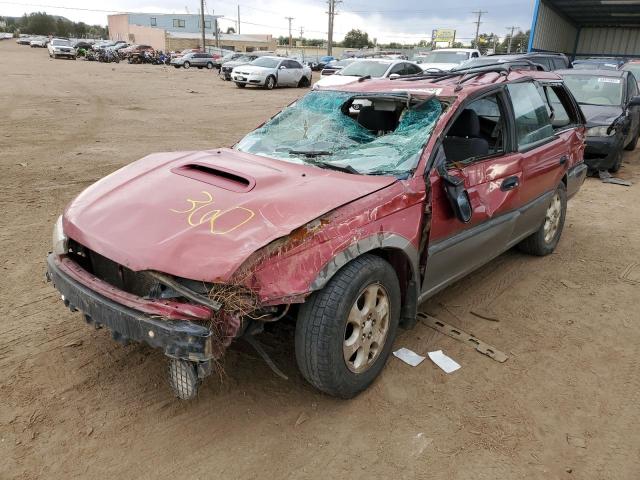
(635, 101)
(456, 194)
(393, 76)
(282, 67)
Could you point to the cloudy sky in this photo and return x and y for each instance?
(399, 21)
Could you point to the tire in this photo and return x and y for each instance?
(270, 82)
(545, 239)
(304, 82)
(618, 162)
(177, 66)
(634, 142)
(324, 321)
(209, 65)
(183, 378)
(241, 85)
(186, 65)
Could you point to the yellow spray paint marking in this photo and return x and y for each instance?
(203, 212)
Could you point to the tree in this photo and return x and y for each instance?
(356, 39)
(231, 30)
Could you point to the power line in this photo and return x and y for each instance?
(478, 23)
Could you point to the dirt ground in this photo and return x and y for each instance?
(76, 404)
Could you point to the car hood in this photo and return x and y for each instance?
(234, 63)
(200, 215)
(441, 66)
(600, 115)
(336, 80)
(255, 69)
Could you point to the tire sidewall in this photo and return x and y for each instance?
(346, 383)
(270, 83)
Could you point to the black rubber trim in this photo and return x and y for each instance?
(177, 338)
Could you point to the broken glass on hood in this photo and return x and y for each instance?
(320, 129)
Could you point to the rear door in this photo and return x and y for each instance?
(493, 177)
(548, 148)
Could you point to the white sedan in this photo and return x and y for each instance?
(40, 42)
(369, 68)
(270, 72)
(60, 47)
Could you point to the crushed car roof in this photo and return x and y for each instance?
(439, 86)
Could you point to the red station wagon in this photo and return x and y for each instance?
(343, 219)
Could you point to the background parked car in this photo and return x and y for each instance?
(599, 63)
(321, 62)
(199, 60)
(610, 102)
(548, 60)
(446, 58)
(269, 72)
(40, 42)
(82, 44)
(369, 68)
(61, 47)
(335, 66)
(227, 67)
(24, 40)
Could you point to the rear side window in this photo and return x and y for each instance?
(559, 64)
(533, 125)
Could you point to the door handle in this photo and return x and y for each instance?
(510, 183)
(563, 160)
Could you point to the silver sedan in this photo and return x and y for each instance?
(270, 72)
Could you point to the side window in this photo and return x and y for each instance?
(294, 64)
(544, 61)
(398, 69)
(533, 124)
(474, 55)
(412, 69)
(479, 131)
(559, 64)
(561, 115)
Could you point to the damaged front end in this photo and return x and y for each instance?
(192, 322)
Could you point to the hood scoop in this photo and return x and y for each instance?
(216, 176)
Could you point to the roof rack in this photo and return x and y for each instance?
(502, 68)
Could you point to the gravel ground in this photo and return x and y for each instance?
(75, 404)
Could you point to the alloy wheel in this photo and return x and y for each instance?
(552, 218)
(366, 329)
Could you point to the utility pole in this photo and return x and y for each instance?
(238, 19)
(290, 37)
(332, 13)
(215, 26)
(513, 28)
(478, 23)
(204, 49)
(301, 33)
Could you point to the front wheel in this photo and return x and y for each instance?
(186, 65)
(241, 85)
(345, 332)
(270, 83)
(546, 238)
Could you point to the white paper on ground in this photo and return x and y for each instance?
(408, 356)
(445, 363)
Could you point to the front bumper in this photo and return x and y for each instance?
(181, 339)
(601, 152)
(248, 79)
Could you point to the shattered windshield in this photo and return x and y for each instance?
(383, 138)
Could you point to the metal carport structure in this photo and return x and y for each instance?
(586, 27)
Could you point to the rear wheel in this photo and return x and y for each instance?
(546, 238)
(304, 82)
(209, 65)
(345, 332)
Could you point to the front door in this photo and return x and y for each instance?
(478, 149)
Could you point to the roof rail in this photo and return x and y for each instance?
(502, 68)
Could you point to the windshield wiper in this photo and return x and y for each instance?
(332, 166)
(310, 153)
